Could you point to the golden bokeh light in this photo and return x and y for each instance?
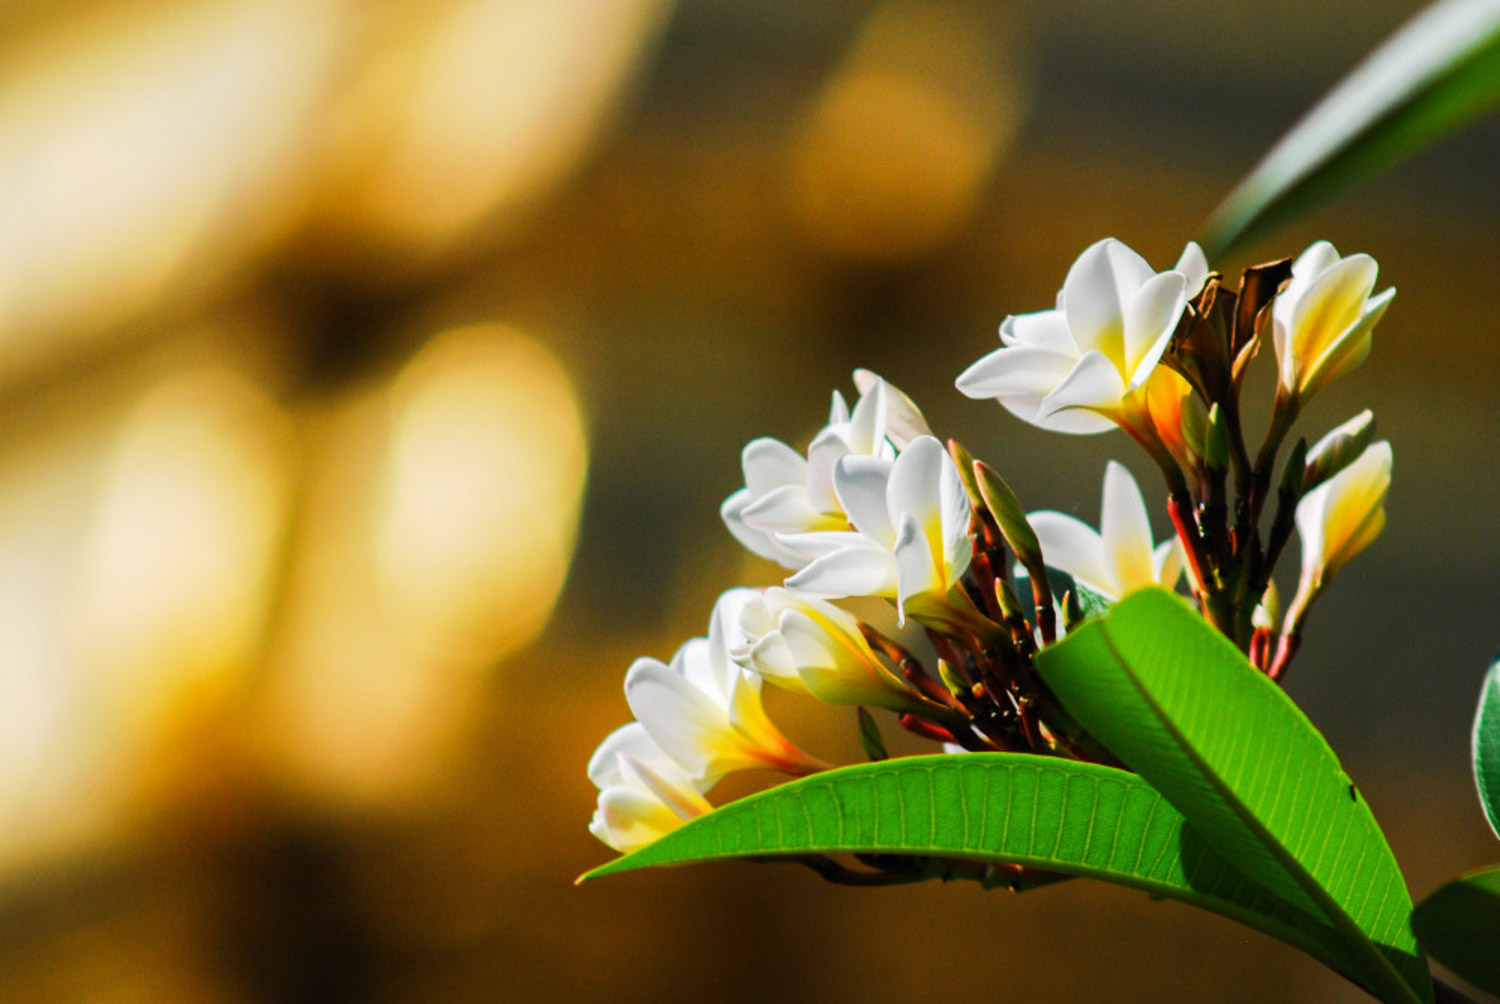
(437, 532)
(174, 586)
(137, 538)
(140, 140)
(894, 154)
(476, 107)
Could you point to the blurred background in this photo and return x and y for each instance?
(371, 373)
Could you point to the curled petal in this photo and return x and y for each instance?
(1019, 371)
(1150, 318)
(917, 575)
(769, 464)
(1092, 303)
(858, 570)
(1095, 384)
(861, 484)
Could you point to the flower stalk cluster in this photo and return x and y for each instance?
(917, 584)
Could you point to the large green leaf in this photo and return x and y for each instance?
(1460, 925)
(1438, 72)
(1487, 746)
(1015, 808)
(1180, 705)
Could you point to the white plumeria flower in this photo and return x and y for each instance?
(706, 712)
(1324, 317)
(910, 540)
(1121, 557)
(643, 793)
(1076, 368)
(1343, 516)
(787, 493)
(816, 647)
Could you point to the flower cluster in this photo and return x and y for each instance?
(918, 584)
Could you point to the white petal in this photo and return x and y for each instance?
(1020, 370)
(838, 671)
(1329, 305)
(769, 464)
(694, 662)
(773, 659)
(1095, 383)
(826, 449)
(916, 572)
(838, 413)
(786, 510)
(861, 486)
(1072, 421)
(904, 421)
(1194, 268)
(604, 767)
(1042, 329)
(957, 547)
(1317, 259)
(867, 423)
(756, 541)
(1351, 348)
(627, 818)
(726, 634)
(1071, 545)
(1130, 270)
(914, 489)
(1168, 563)
(1151, 315)
(815, 545)
(853, 571)
(1091, 301)
(663, 779)
(1125, 528)
(693, 730)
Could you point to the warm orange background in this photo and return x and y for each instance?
(371, 373)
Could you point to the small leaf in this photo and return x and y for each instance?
(1460, 925)
(1180, 705)
(1487, 746)
(1438, 72)
(1012, 808)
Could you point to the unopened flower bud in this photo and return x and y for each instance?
(869, 736)
(1010, 516)
(1338, 449)
(1343, 516)
(1216, 441)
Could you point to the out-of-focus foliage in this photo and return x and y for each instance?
(1440, 72)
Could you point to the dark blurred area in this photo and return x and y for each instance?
(371, 375)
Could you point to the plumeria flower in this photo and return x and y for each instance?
(706, 712)
(1077, 368)
(1121, 557)
(786, 492)
(910, 540)
(643, 793)
(1344, 515)
(1324, 317)
(816, 647)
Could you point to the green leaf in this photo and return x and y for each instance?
(1180, 705)
(1487, 746)
(1440, 71)
(1460, 925)
(1015, 808)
